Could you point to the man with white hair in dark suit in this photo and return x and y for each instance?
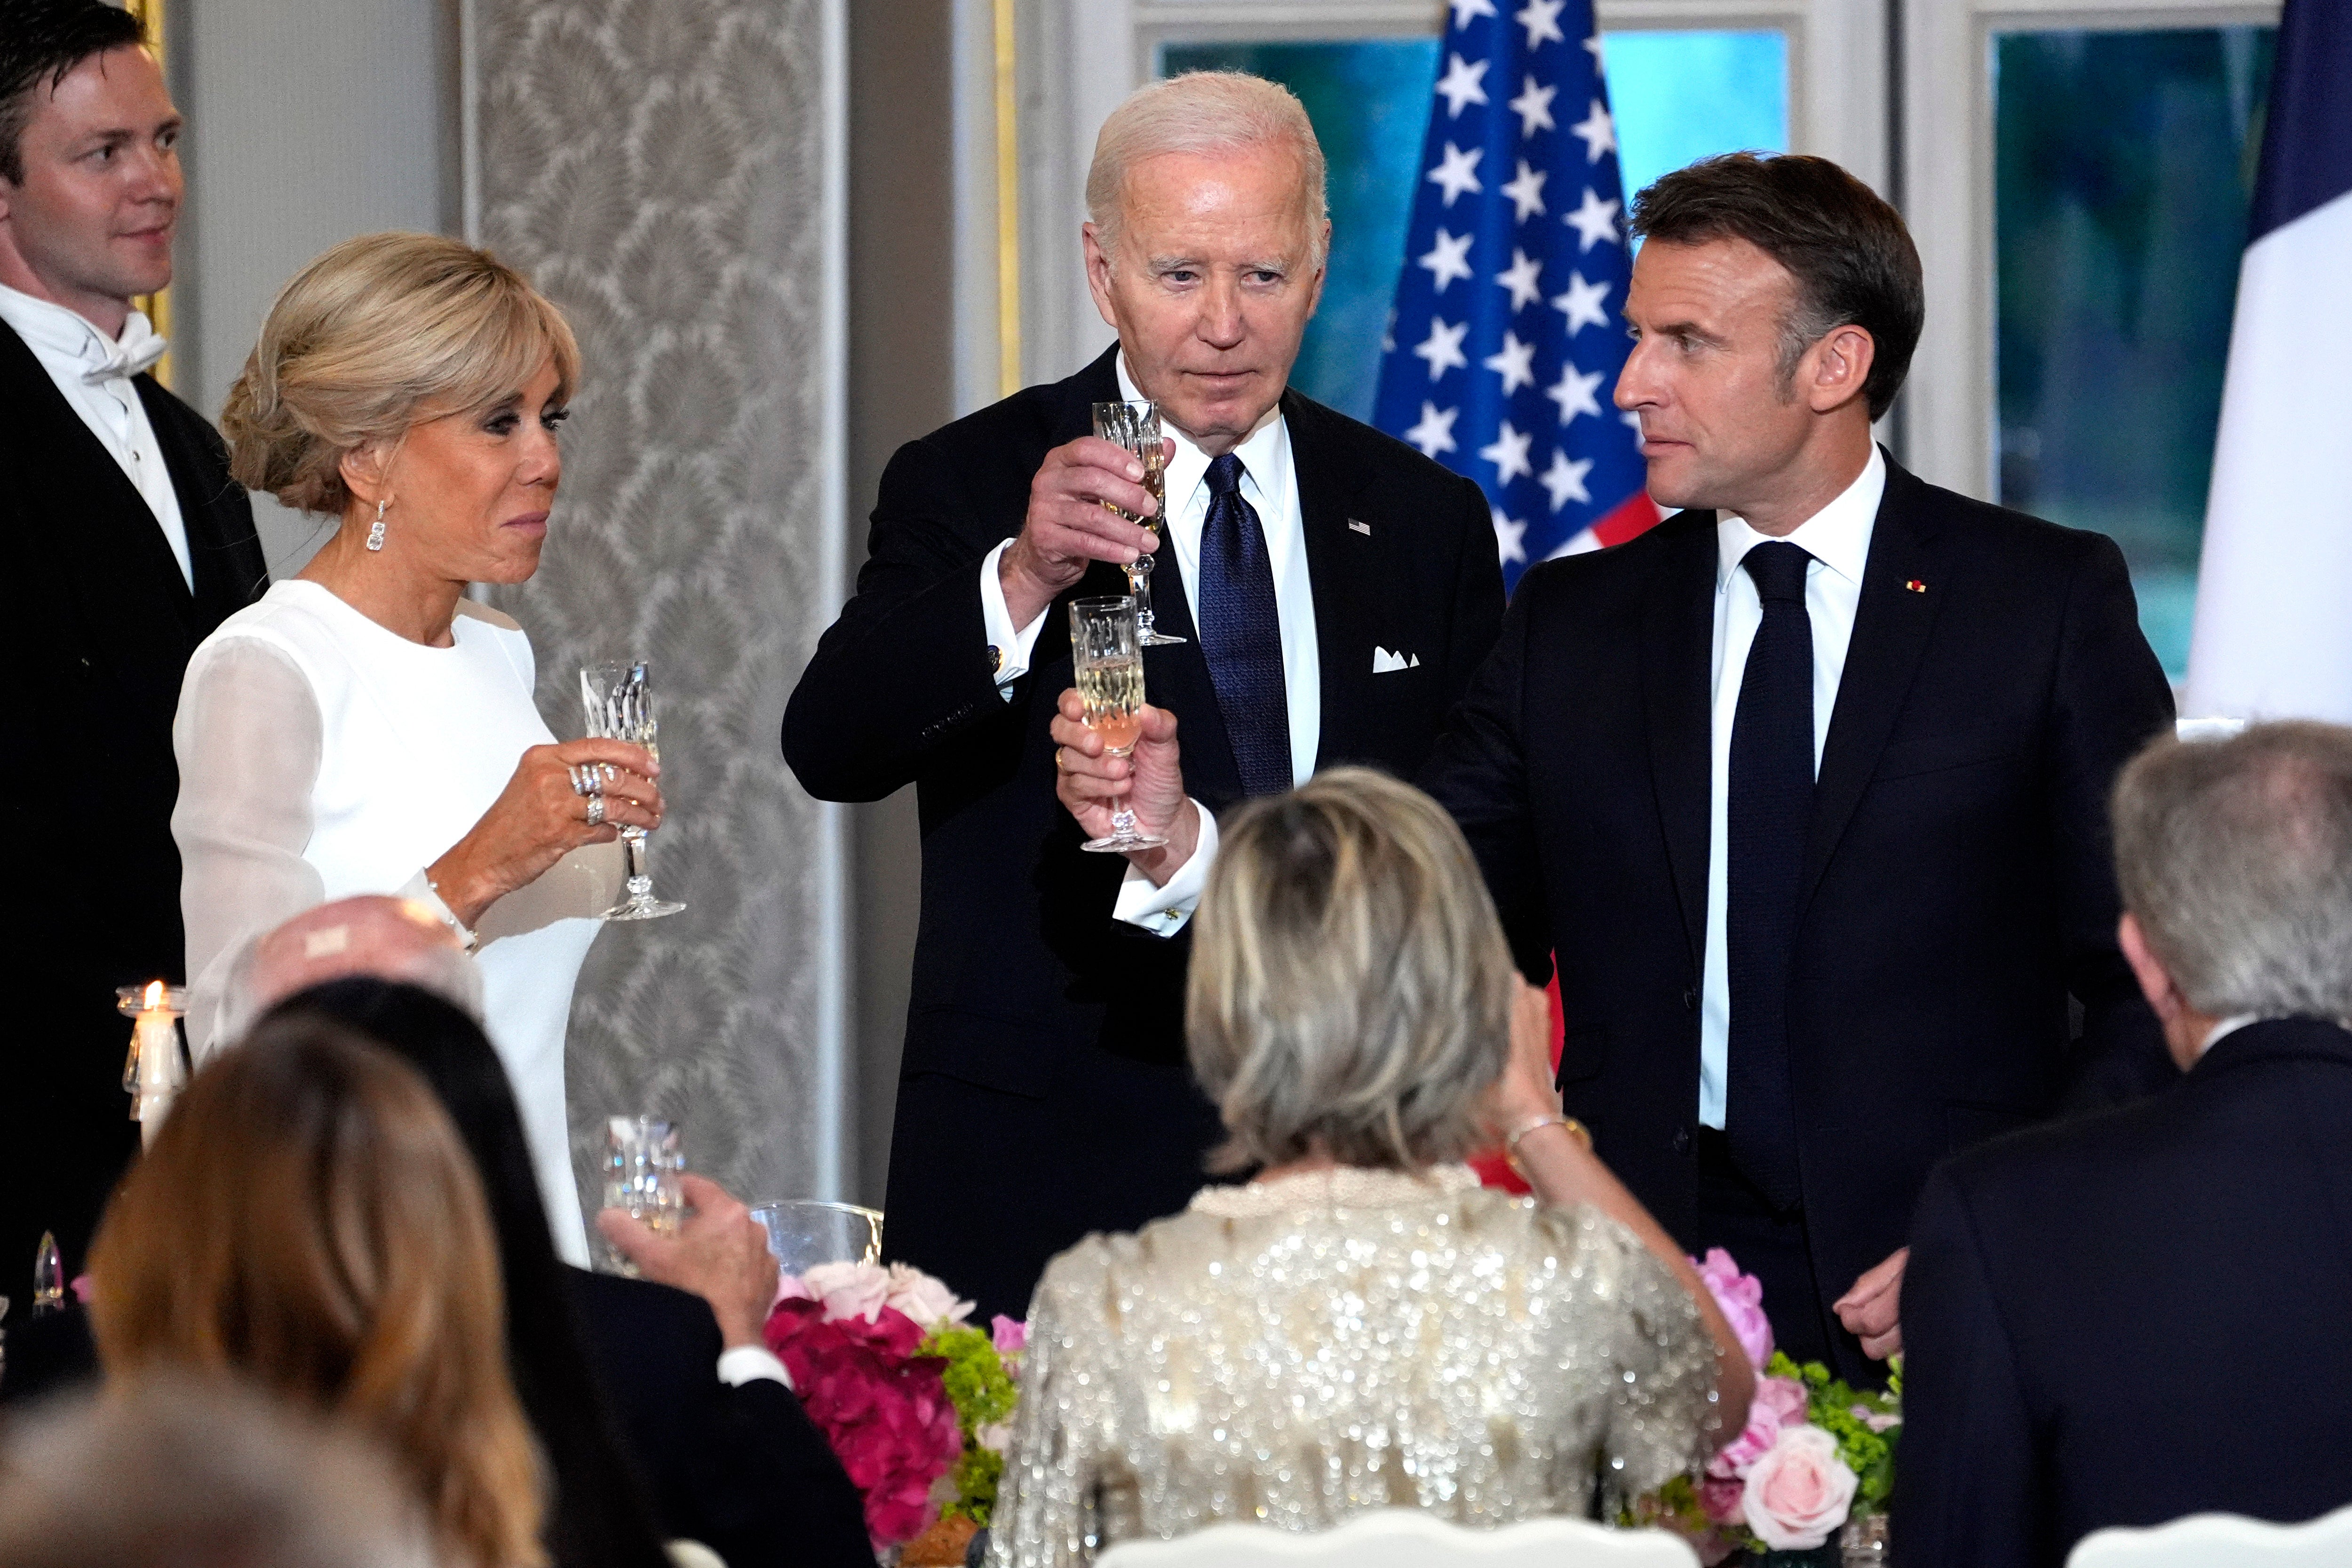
(1334, 590)
(2139, 1315)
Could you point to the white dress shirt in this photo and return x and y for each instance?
(73, 351)
(1270, 484)
(1838, 539)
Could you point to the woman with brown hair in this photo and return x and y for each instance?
(309, 1220)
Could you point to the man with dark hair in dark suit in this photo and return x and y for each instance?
(1802, 790)
(129, 544)
(1334, 590)
(2137, 1315)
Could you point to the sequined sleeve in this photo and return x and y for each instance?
(1665, 1391)
(1045, 1507)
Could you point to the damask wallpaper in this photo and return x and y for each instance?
(662, 169)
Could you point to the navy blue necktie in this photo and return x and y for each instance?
(1768, 808)
(1241, 633)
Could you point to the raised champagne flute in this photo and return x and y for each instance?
(1109, 669)
(619, 701)
(1136, 426)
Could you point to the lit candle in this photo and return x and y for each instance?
(153, 1074)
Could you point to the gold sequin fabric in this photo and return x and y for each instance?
(1292, 1351)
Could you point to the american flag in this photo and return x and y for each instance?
(1506, 339)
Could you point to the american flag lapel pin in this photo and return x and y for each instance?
(1915, 585)
(1364, 529)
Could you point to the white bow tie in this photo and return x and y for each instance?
(136, 350)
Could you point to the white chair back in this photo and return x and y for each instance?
(2205, 1540)
(1408, 1538)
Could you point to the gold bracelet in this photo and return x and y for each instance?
(1576, 1130)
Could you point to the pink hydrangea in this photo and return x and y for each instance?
(884, 1410)
(1741, 1298)
(1011, 1335)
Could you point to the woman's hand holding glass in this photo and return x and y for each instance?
(542, 816)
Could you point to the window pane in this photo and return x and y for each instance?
(2124, 164)
(1676, 96)
(1679, 96)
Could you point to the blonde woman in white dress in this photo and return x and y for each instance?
(366, 728)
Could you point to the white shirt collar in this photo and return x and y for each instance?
(1838, 535)
(1266, 445)
(51, 328)
(2228, 1026)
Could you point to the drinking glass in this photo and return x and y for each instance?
(619, 700)
(1109, 667)
(642, 1161)
(1136, 426)
(806, 1231)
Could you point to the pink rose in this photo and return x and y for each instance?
(849, 1289)
(1011, 1335)
(1779, 1405)
(923, 1298)
(1741, 1297)
(1799, 1493)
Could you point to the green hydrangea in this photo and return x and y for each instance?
(983, 1394)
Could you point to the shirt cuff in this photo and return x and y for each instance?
(1013, 644)
(419, 891)
(1162, 911)
(749, 1364)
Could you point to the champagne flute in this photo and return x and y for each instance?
(1136, 426)
(620, 705)
(1109, 667)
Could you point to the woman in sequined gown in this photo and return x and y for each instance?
(1363, 1325)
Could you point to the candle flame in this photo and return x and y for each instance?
(154, 998)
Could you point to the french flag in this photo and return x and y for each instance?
(2273, 630)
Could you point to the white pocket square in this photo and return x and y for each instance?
(1383, 661)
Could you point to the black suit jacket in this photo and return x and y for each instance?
(103, 625)
(2136, 1315)
(742, 1469)
(1043, 1092)
(1956, 888)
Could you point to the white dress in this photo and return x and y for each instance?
(322, 755)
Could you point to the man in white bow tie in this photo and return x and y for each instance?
(129, 544)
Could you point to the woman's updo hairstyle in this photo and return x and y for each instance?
(370, 338)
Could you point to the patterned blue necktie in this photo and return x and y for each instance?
(1241, 633)
(1768, 807)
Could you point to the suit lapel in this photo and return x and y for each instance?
(1678, 647)
(224, 555)
(1340, 569)
(1891, 626)
(116, 538)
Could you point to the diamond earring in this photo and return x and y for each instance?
(375, 531)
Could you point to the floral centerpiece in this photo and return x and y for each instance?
(1816, 1453)
(913, 1399)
